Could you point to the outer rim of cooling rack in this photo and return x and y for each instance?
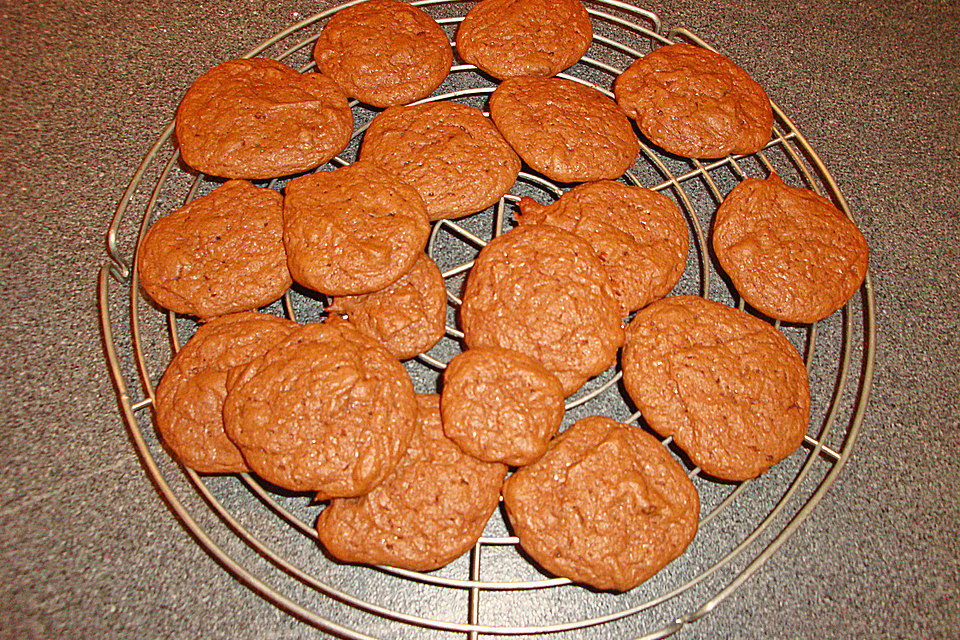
(117, 269)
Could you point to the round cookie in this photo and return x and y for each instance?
(729, 388)
(221, 253)
(384, 52)
(190, 396)
(606, 506)
(639, 235)
(511, 38)
(428, 512)
(565, 130)
(353, 230)
(790, 253)
(258, 118)
(408, 317)
(695, 103)
(542, 291)
(325, 410)
(450, 153)
(500, 405)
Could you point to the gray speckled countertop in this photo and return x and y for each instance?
(89, 550)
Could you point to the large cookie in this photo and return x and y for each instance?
(428, 512)
(500, 405)
(325, 410)
(565, 130)
(606, 506)
(695, 103)
(510, 38)
(790, 253)
(408, 317)
(259, 118)
(353, 230)
(190, 396)
(384, 52)
(542, 291)
(639, 235)
(450, 153)
(729, 388)
(221, 253)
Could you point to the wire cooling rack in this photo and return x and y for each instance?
(265, 537)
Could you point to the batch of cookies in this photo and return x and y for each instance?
(328, 408)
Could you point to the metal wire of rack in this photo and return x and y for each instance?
(261, 534)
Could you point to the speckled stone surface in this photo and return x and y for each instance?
(88, 549)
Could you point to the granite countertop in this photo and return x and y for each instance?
(90, 550)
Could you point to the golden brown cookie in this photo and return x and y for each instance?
(221, 253)
(729, 388)
(565, 130)
(790, 253)
(639, 235)
(408, 317)
(325, 410)
(259, 118)
(428, 512)
(606, 506)
(542, 291)
(450, 153)
(353, 230)
(500, 405)
(190, 396)
(384, 52)
(695, 103)
(510, 38)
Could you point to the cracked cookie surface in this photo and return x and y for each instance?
(729, 388)
(695, 103)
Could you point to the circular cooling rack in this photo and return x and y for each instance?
(265, 537)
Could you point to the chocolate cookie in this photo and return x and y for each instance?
(428, 512)
(500, 405)
(408, 317)
(384, 52)
(729, 388)
(221, 253)
(639, 235)
(190, 396)
(565, 130)
(325, 410)
(606, 506)
(259, 118)
(451, 153)
(510, 38)
(353, 230)
(695, 103)
(542, 291)
(790, 253)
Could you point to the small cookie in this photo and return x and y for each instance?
(695, 103)
(500, 405)
(384, 52)
(427, 513)
(353, 230)
(408, 317)
(639, 235)
(221, 253)
(606, 506)
(729, 388)
(511, 38)
(790, 253)
(190, 396)
(259, 118)
(450, 153)
(542, 291)
(326, 410)
(565, 130)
